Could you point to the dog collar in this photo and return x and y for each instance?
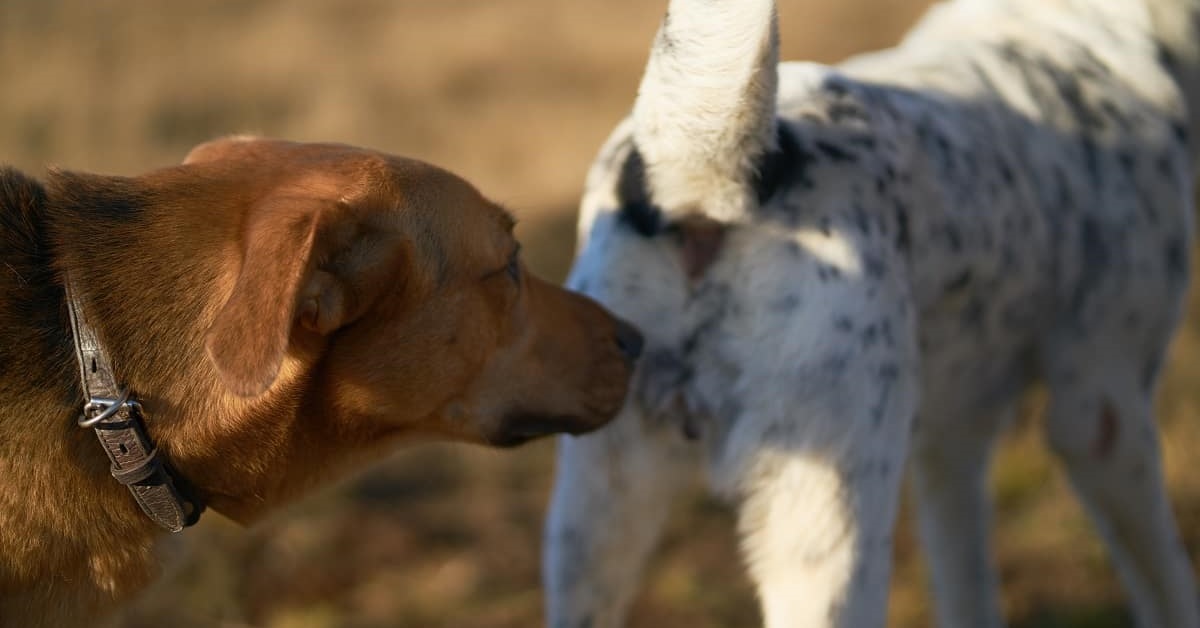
(116, 416)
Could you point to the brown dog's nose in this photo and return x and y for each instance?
(629, 340)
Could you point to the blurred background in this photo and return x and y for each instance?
(515, 95)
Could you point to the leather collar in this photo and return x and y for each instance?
(115, 414)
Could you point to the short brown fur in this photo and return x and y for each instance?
(285, 311)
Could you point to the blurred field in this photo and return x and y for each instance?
(515, 95)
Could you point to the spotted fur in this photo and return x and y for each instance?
(1005, 198)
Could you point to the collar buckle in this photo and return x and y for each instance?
(99, 409)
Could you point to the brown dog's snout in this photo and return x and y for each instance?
(591, 354)
(629, 340)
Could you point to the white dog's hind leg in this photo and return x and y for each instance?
(611, 498)
(817, 538)
(1101, 425)
(949, 466)
(819, 492)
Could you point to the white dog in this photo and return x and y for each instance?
(844, 271)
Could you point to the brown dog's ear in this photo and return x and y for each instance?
(219, 148)
(322, 304)
(249, 337)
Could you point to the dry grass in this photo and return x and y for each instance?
(515, 95)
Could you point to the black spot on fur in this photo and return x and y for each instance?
(1127, 161)
(881, 185)
(865, 142)
(1150, 369)
(1115, 113)
(786, 304)
(874, 267)
(1180, 132)
(959, 282)
(1006, 173)
(1177, 258)
(634, 197)
(1165, 165)
(665, 42)
(835, 365)
(888, 373)
(1095, 251)
(870, 336)
(785, 167)
(1072, 95)
(902, 236)
(835, 152)
(1165, 57)
(842, 111)
(1095, 258)
(828, 273)
(954, 238)
(1066, 198)
(885, 333)
(835, 85)
(1091, 158)
(973, 313)
(859, 215)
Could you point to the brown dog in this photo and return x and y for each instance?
(284, 311)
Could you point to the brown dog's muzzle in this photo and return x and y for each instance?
(587, 356)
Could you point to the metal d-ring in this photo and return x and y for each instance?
(110, 407)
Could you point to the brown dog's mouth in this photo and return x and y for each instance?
(592, 408)
(520, 429)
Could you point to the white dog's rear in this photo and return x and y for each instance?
(843, 271)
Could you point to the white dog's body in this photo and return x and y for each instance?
(906, 243)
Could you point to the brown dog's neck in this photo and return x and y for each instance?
(151, 279)
(153, 274)
(66, 523)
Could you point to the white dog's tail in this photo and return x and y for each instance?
(705, 112)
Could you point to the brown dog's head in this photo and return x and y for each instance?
(283, 312)
(393, 293)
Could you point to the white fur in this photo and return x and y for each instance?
(703, 112)
(1004, 198)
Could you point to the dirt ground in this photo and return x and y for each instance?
(516, 95)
